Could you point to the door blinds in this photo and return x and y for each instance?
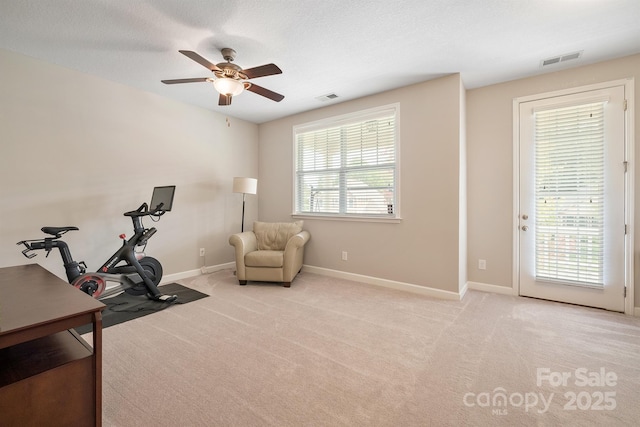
(569, 182)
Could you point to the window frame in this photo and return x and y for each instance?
(345, 120)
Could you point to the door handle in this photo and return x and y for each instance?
(525, 228)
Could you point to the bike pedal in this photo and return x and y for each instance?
(166, 298)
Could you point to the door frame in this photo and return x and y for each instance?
(628, 85)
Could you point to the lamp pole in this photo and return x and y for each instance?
(244, 186)
(242, 226)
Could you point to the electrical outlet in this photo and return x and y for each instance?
(344, 255)
(482, 264)
(201, 251)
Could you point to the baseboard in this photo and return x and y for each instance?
(214, 268)
(485, 287)
(402, 286)
(169, 278)
(464, 290)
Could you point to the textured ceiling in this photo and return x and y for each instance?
(347, 47)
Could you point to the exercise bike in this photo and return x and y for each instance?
(134, 273)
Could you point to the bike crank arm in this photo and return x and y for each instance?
(111, 292)
(126, 281)
(122, 280)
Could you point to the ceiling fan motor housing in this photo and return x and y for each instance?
(229, 70)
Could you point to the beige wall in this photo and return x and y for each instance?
(423, 249)
(79, 150)
(490, 162)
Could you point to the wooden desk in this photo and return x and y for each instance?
(48, 374)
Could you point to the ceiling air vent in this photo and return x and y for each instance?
(561, 58)
(327, 97)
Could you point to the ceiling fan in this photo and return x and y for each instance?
(230, 78)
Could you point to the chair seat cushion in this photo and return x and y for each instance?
(264, 259)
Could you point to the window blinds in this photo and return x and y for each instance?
(569, 182)
(348, 168)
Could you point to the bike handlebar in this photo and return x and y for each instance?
(47, 244)
(143, 210)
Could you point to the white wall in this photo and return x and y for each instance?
(79, 150)
(490, 163)
(423, 249)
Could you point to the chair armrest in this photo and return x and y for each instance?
(244, 243)
(298, 241)
(294, 254)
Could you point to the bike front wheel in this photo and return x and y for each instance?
(153, 270)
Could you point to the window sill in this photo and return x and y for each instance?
(394, 220)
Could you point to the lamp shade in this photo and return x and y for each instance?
(228, 86)
(245, 185)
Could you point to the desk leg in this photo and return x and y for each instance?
(97, 364)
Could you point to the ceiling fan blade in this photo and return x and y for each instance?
(261, 71)
(195, 80)
(200, 60)
(265, 92)
(224, 100)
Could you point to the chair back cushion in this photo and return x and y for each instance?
(273, 236)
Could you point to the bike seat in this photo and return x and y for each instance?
(56, 231)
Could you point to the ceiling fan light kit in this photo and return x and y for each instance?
(230, 78)
(229, 87)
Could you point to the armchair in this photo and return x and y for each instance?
(272, 252)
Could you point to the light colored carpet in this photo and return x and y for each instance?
(330, 352)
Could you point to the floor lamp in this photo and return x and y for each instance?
(244, 186)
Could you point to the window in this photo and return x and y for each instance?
(347, 166)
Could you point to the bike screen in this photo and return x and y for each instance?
(162, 195)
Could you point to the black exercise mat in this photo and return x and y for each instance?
(124, 307)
